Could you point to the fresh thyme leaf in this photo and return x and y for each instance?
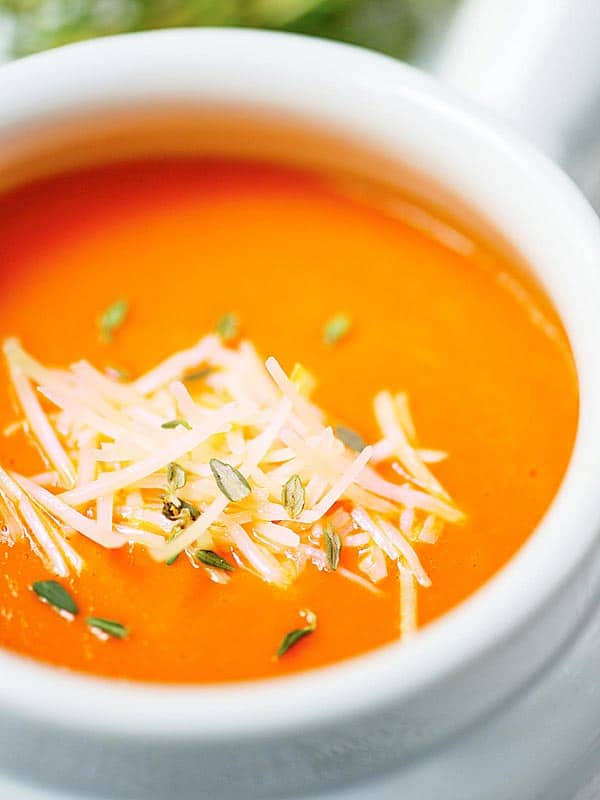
(212, 559)
(111, 320)
(171, 506)
(333, 546)
(176, 509)
(175, 423)
(292, 496)
(176, 477)
(170, 561)
(55, 594)
(188, 508)
(228, 327)
(350, 438)
(336, 328)
(293, 637)
(117, 373)
(230, 480)
(109, 626)
(199, 375)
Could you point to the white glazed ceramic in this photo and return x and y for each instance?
(534, 62)
(393, 709)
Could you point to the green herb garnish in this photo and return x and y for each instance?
(293, 637)
(228, 327)
(176, 477)
(174, 508)
(170, 561)
(56, 595)
(176, 423)
(292, 496)
(114, 629)
(111, 320)
(350, 438)
(212, 559)
(188, 508)
(230, 480)
(171, 506)
(118, 373)
(333, 546)
(199, 375)
(336, 328)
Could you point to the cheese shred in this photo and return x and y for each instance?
(110, 446)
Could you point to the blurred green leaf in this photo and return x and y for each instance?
(392, 26)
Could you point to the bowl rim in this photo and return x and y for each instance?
(485, 619)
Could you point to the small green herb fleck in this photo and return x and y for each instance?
(350, 438)
(171, 506)
(292, 496)
(117, 373)
(293, 637)
(336, 328)
(111, 320)
(228, 327)
(114, 629)
(55, 594)
(170, 561)
(333, 546)
(176, 423)
(188, 508)
(176, 477)
(176, 509)
(199, 375)
(230, 480)
(212, 559)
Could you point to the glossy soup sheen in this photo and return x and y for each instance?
(481, 355)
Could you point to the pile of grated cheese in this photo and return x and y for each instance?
(133, 463)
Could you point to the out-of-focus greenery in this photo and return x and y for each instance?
(392, 26)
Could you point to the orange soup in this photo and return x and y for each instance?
(117, 268)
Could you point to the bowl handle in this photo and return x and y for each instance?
(534, 62)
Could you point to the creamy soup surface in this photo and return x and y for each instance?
(478, 350)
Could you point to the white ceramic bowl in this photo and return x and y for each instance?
(342, 724)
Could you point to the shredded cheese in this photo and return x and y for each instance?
(111, 446)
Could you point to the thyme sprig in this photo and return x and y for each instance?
(230, 480)
(336, 328)
(293, 637)
(108, 626)
(293, 497)
(56, 595)
(333, 546)
(212, 559)
(111, 319)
